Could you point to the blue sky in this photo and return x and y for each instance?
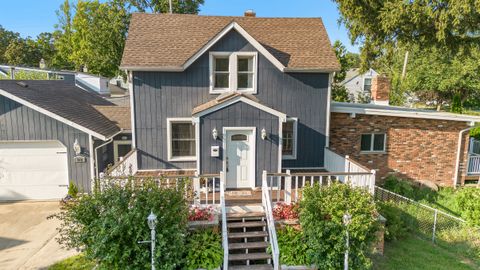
(31, 17)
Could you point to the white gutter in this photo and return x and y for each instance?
(110, 140)
(459, 150)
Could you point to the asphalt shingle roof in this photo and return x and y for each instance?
(65, 100)
(169, 40)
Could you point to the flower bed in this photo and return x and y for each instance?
(202, 216)
(283, 211)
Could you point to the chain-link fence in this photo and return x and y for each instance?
(435, 225)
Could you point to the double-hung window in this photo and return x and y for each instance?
(181, 139)
(367, 84)
(289, 139)
(374, 142)
(233, 71)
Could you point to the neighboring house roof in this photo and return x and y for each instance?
(230, 98)
(374, 109)
(120, 115)
(173, 41)
(63, 102)
(116, 90)
(355, 72)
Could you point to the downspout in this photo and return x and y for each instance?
(100, 146)
(457, 163)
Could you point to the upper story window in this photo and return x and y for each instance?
(375, 142)
(289, 139)
(367, 84)
(181, 139)
(233, 71)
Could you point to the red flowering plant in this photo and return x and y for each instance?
(285, 211)
(201, 213)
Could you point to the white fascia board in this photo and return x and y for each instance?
(280, 115)
(52, 115)
(408, 114)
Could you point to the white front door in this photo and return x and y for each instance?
(239, 158)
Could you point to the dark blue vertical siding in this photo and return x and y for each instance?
(160, 95)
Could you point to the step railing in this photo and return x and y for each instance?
(473, 164)
(200, 189)
(223, 210)
(287, 187)
(127, 166)
(272, 234)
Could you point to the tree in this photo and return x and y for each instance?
(443, 76)
(45, 46)
(347, 61)
(6, 37)
(23, 52)
(382, 25)
(63, 38)
(162, 6)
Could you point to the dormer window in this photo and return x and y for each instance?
(233, 71)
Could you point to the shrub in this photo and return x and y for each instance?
(468, 200)
(321, 213)
(197, 213)
(72, 190)
(77, 262)
(108, 225)
(285, 211)
(293, 247)
(407, 189)
(475, 132)
(204, 249)
(395, 227)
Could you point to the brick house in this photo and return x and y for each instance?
(415, 144)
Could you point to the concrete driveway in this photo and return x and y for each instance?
(27, 238)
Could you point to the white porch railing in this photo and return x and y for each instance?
(473, 164)
(223, 210)
(272, 234)
(201, 189)
(127, 166)
(287, 187)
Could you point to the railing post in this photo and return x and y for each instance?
(196, 189)
(434, 225)
(288, 188)
(264, 186)
(371, 185)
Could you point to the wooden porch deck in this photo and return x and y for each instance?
(238, 197)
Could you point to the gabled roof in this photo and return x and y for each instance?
(170, 42)
(230, 98)
(374, 109)
(355, 72)
(120, 115)
(64, 102)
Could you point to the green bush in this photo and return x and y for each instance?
(293, 247)
(321, 213)
(396, 225)
(475, 132)
(72, 189)
(204, 249)
(407, 189)
(468, 200)
(78, 262)
(107, 226)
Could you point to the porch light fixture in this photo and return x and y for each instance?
(214, 133)
(264, 134)
(77, 148)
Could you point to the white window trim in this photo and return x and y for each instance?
(371, 143)
(169, 139)
(233, 70)
(363, 84)
(295, 132)
(115, 148)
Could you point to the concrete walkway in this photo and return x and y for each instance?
(27, 238)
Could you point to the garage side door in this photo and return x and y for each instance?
(33, 170)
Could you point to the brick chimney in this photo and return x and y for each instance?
(249, 13)
(380, 90)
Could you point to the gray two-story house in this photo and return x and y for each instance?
(233, 94)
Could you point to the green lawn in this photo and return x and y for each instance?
(77, 262)
(414, 253)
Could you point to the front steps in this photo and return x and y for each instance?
(248, 240)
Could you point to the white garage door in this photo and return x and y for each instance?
(33, 170)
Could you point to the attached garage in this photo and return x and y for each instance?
(33, 170)
(47, 134)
